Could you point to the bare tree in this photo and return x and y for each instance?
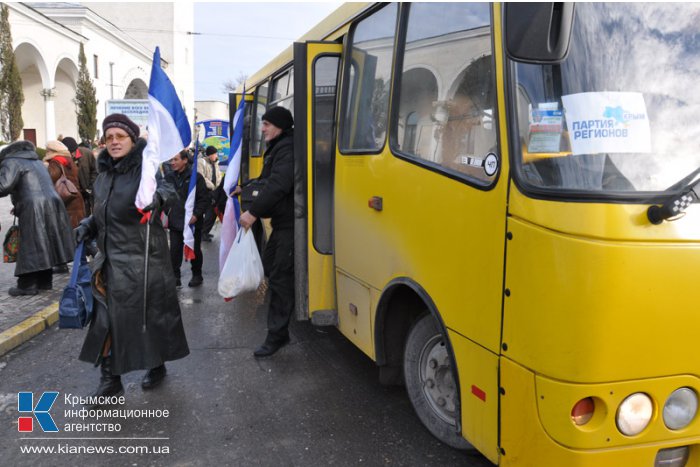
(230, 85)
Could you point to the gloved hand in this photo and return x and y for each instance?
(82, 233)
(156, 204)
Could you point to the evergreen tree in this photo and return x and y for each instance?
(11, 95)
(85, 100)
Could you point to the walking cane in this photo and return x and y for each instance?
(145, 267)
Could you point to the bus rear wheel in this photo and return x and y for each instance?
(431, 382)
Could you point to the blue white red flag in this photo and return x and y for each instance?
(168, 130)
(188, 229)
(232, 213)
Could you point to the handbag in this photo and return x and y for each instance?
(10, 247)
(64, 187)
(75, 306)
(250, 192)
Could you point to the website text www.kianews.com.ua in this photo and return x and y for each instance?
(63, 448)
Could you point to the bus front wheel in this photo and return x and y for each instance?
(431, 382)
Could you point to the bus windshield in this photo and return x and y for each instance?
(620, 116)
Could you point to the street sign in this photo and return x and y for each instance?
(135, 109)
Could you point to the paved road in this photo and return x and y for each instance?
(316, 402)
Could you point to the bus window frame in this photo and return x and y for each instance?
(345, 69)
(334, 136)
(394, 113)
(254, 114)
(288, 70)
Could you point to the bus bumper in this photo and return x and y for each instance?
(531, 437)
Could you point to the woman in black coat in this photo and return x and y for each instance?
(122, 337)
(45, 231)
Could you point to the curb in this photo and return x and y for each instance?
(30, 327)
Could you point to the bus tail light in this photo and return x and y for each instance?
(583, 410)
(673, 457)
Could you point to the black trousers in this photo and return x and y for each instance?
(278, 261)
(177, 243)
(42, 279)
(209, 218)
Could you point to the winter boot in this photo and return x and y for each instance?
(110, 385)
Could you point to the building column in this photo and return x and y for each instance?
(49, 113)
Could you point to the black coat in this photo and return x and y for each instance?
(181, 183)
(276, 199)
(87, 171)
(120, 264)
(46, 237)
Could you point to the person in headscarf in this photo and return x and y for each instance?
(58, 161)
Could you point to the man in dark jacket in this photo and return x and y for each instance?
(208, 166)
(276, 201)
(87, 171)
(179, 177)
(45, 231)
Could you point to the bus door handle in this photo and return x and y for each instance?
(375, 202)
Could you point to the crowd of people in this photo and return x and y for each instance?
(77, 195)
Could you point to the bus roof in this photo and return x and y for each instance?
(330, 28)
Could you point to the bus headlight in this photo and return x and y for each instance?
(634, 414)
(680, 408)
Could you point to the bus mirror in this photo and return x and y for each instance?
(538, 32)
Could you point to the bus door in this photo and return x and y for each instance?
(316, 71)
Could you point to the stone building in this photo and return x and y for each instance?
(119, 40)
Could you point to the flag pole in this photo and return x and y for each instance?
(145, 271)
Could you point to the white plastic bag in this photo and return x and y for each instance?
(243, 269)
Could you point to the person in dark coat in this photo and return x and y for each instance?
(87, 170)
(179, 177)
(276, 201)
(45, 232)
(208, 166)
(58, 162)
(123, 336)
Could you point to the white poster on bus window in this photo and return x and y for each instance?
(607, 122)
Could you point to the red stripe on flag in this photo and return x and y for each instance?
(479, 393)
(189, 254)
(146, 216)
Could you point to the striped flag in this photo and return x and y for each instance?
(168, 130)
(188, 229)
(229, 226)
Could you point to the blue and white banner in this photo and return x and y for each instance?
(232, 213)
(168, 130)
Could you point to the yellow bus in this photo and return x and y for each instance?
(497, 204)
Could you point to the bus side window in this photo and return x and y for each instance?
(256, 141)
(446, 106)
(283, 91)
(366, 106)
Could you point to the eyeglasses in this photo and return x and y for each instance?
(117, 138)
